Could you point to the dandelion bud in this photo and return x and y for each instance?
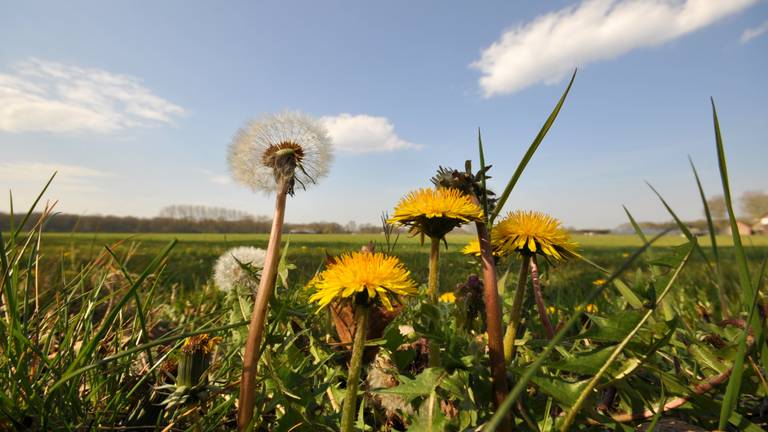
(194, 360)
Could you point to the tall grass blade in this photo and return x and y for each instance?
(741, 258)
(525, 378)
(748, 290)
(531, 150)
(713, 241)
(483, 171)
(90, 347)
(159, 341)
(683, 227)
(574, 410)
(732, 392)
(14, 234)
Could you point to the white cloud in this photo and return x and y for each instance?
(43, 96)
(364, 134)
(68, 177)
(548, 48)
(219, 179)
(754, 32)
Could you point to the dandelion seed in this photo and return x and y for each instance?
(229, 274)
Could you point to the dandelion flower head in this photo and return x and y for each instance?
(380, 276)
(531, 232)
(229, 274)
(202, 343)
(435, 212)
(288, 146)
(447, 297)
(473, 248)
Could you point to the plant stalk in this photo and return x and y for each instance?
(542, 308)
(355, 365)
(433, 289)
(494, 326)
(516, 314)
(434, 270)
(259, 315)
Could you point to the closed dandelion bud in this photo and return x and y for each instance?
(194, 360)
(469, 295)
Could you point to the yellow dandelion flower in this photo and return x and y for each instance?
(203, 343)
(552, 310)
(473, 248)
(448, 297)
(435, 212)
(598, 282)
(378, 275)
(591, 308)
(531, 232)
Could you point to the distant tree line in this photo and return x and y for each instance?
(202, 213)
(754, 205)
(130, 224)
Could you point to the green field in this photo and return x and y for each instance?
(192, 259)
(78, 282)
(193, 256)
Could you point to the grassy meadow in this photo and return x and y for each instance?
(91, 274)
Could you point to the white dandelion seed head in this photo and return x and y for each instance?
(228, 274)
(254, 142)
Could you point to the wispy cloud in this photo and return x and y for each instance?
(219, 179)
(44, 96)
(546, 49)
(68, 177)
(364, 134)
(754, 32)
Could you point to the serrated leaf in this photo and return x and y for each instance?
(424, 384)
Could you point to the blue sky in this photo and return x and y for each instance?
(135, 103)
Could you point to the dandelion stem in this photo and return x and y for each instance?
(548, 329)
(493, 315)
(516, 314)
(355, 365)
(434, 270)
(433, 288)
(259, 315)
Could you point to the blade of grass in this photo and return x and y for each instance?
(139, 307)
(741, 258)
(160, 341)
(732, 391)
(90, 347)
(573, 412)
(531, 150)
(749, 291)
(482, 170)
(32, 208)
(523, 381)
(713, 241)
(623, 289)
(683, 228)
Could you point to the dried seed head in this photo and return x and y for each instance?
(286, 147)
